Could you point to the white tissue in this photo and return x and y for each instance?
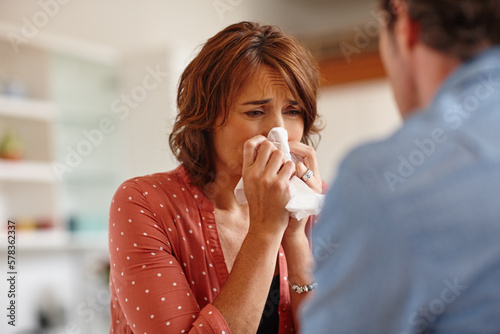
(303, 200)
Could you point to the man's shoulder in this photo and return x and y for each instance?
(429, 149)
(385, 154)
(412, 150)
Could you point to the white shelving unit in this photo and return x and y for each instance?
(26, 171)
(27, 108)
(58, 241)
(54, 261)
(39, 116)
(33, 111)
(28, 187)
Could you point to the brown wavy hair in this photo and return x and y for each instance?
(460, 28)
(212, 81)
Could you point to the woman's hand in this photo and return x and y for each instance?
(309, 162)
(266, 177)
(296, 229)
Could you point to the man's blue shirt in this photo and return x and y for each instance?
(409, 240)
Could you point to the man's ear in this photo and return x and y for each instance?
(406, 31)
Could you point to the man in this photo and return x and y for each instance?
(409, 240)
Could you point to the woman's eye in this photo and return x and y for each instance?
(294, 112)
(254, 113)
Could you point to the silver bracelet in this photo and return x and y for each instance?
(304, 288)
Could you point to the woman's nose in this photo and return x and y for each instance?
(275, 120)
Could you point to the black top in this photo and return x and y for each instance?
(270, 321)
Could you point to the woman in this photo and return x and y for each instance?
(185, 256)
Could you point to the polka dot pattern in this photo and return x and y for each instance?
(162, 273)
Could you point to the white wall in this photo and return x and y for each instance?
(353, 114)
(128, 25)
(144, 126)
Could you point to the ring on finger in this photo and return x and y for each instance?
(307, 175)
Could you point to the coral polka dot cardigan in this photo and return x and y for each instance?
(166, 259)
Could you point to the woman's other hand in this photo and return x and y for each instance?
(309, 162)
(296, 229)
(266, 177)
